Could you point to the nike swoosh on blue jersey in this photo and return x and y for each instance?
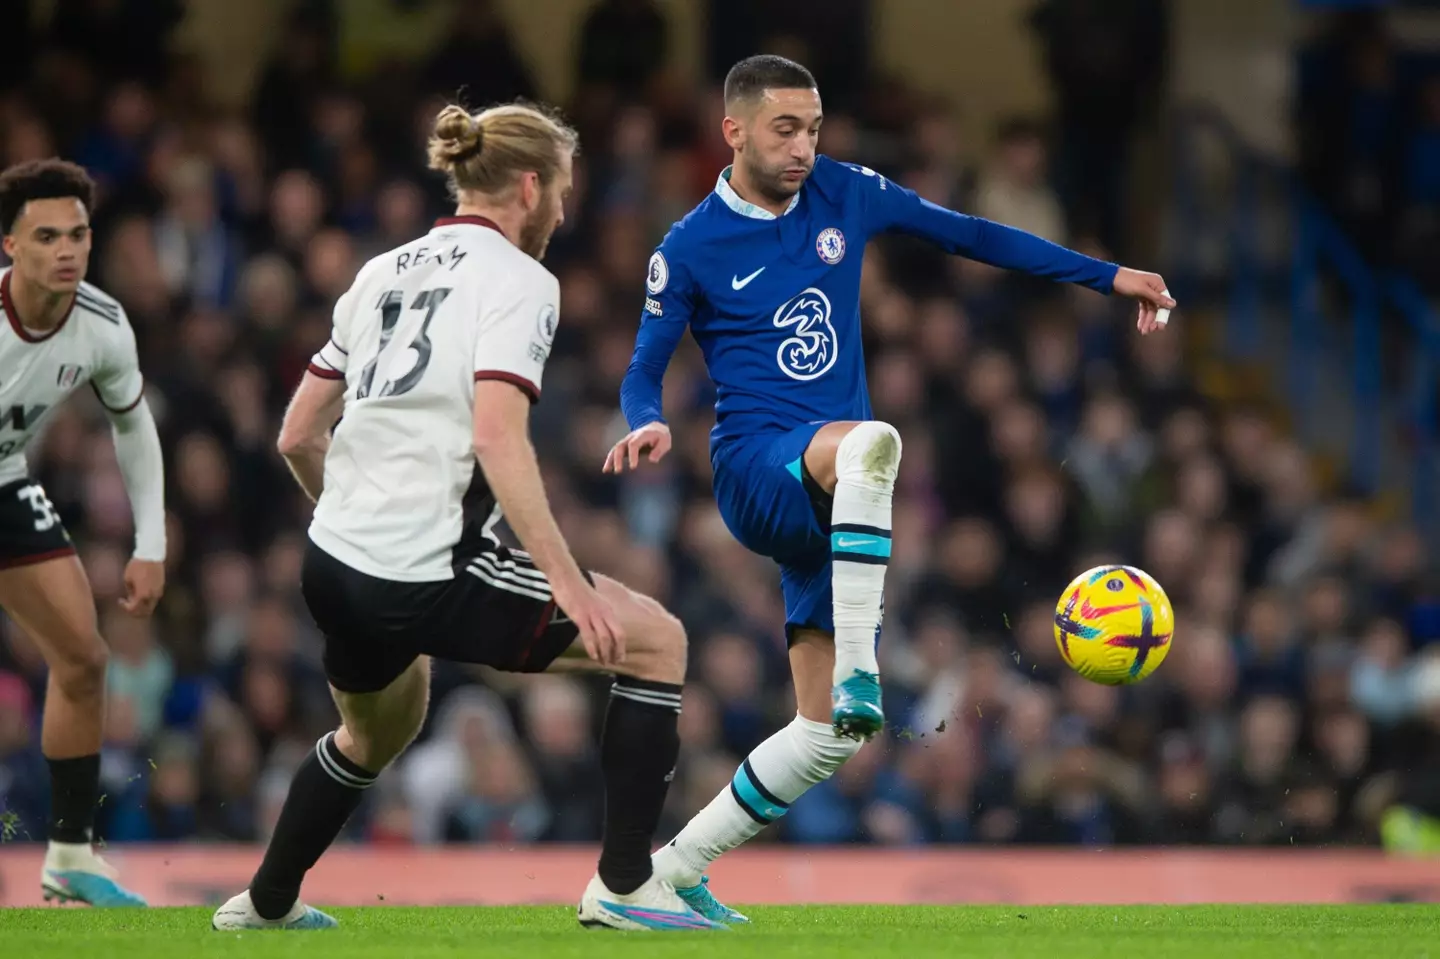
(738, 284)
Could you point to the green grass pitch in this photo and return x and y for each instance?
(823, 932)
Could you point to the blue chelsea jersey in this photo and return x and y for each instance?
(774, 302)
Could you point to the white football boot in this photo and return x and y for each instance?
(239, 913)
(655, 906)
(74, 872)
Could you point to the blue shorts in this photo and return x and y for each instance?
(774, 508)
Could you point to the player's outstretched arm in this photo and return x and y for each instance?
(305, 432)
(142, 467)
(889, 207)
(502, 445)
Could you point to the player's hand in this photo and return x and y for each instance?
(653, 438)
(595, 618)
(1150, 290)
(144, 585)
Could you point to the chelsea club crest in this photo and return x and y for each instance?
(830, 244)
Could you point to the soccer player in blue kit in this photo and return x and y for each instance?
(765, 273)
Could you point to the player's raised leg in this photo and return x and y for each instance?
(638, 749)
(857, 464)
(51, 600)
(375, 728)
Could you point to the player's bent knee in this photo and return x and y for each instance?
(869, 454)
(661, 648)
(378, 727)
(79, 668)
(655, 643)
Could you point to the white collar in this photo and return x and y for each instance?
(744, 207)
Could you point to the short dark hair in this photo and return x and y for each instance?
(750, 78)
(42, 180)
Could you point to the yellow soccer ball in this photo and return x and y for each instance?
(1113, 625)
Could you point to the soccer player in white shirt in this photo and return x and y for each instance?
(59, 333)
(434, 359)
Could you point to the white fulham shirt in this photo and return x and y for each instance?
(421, 324)
(93, 343)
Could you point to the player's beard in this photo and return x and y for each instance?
(770, 182)
(538, 227)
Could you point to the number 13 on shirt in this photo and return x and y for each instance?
(391, 306)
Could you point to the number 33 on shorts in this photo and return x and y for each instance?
(30, 526)
(45, 516)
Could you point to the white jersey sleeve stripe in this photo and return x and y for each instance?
(514, 379)
(324, 372)
(116, 380)
(515, 333)
(330, 357)
(119, 409)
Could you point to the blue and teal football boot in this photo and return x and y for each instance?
(857, 712)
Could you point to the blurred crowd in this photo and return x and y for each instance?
(1369, 125)
(1042, 437)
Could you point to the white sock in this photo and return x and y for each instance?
(68, 852)
(866, 464)
(776, 774)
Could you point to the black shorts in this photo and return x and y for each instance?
(497, 611)
(30, 529)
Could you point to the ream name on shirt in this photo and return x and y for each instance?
(405, 261)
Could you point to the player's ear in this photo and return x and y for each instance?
(9, 246)
(734, 132)
(529, 190)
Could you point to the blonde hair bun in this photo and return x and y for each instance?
(486, 152)
(457, 137)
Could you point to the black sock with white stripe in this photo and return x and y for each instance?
(325, 792)
(637, 753)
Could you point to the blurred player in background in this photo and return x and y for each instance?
(60, 333)
(435, 357)
(765, 273)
